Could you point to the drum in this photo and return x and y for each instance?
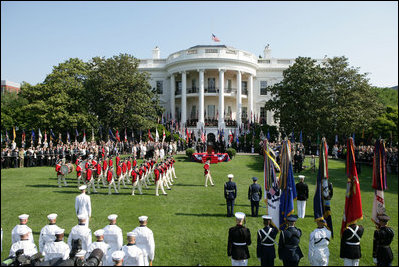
(70, 167)
(83, 165)
(64, 169)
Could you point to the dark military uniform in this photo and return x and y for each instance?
(255, 195)
(230, 194)
(288, 247)
(302, 191)
(238, 242)
(381, 246)
(350, 242)
(265, 248)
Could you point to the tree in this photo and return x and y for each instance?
(11, 111)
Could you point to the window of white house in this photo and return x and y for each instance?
(263, 86)
(160, 87)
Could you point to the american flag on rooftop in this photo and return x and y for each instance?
(214, 38)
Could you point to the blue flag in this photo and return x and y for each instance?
(76, 133)
(353, 138)
(33, 136)
(111, 135)
(68, 137)
(300, 137)
(52, 134)
(268, 135)
(292, 137)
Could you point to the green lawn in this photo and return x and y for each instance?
(189, 224)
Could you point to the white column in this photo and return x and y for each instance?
(172, 95)
(239, 104)
(201, 120)
(251, 98)
(183, 97)
(221, 98)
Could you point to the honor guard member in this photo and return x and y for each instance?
(90, 181)
(288, 246)
(158, 182)
(207, 173)
(129, 170)
(302, 191)
(254, 195)
(59, 173)
(230, 194)
(145, 240)
(120, 177)
(173, 167)
(117, 159)
(124, 169)
(105, 166)
(100, 175)
(238, 241)
(57, 248)
(47, 234)
(383, 236)
(24, 243)
(110, 180)
(350, 245)
(110, 163)
(83, 204)
(265, 250)
(318, 245)
(80, 231)
(134, 256)
(78, 172)
(113, 234)
(136, 174)
(23, 220)
(105, 248)
(117, 257)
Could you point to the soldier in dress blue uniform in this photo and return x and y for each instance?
(230, 194)
(254, 195)
(265, 251)
(383, 236)
(288, 246)
(350, 249)
(238, 241)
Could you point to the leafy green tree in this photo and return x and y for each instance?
(11, 111)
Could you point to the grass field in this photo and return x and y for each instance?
(189, 224)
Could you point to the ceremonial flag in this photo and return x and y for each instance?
(150, 136)
(214, 38)
(40, 137)
(237, 139)
(111, 135)
(287, 185)
(76, 135)
(60, 138)
(353, 136)
(13, 134)
(271, 184)
(132, 135)
(68, 137)
(7, 139)
(187, 135)
(117, 136)
(23, 136)
(231, 137)
(52, 136)
(92, 134)
(163, 136)
(32, 138)
(84, 136)
(379, 180)
(268, 135)
(45, 135)
(156, 135)
(202, 136)
(353, 200)
(125, 135)
(300, 137)
(292, 137)
(321, 201)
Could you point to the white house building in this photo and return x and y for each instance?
(214, 86)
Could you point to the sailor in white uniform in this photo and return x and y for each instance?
(134, 256)
(117, 257)
(80, 231)
(24, 243)
(318, 245)
(47, 234)
(145, 240)
(83, 204)
(23, 220)
(113, 236)
(99, 244)
(58, 248)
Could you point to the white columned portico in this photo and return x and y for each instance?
(183, 98)
(221, 98)
(251, 97)
(201, 121)
(239, 101)
(172, 95)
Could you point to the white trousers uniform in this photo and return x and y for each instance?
(121, 178)
(239, 262)
(208, 177)
(137, 184)
(91, 183)
(102, 178)
(301, 208)
(351, 262)
(159, 184)
(164, 181)
(60, 176)
(173, 171)
(109, 187)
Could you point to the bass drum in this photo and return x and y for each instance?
(70, 167)
(64, 169)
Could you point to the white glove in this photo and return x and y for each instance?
(375, 260)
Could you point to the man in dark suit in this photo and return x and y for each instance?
(288, 246)
(383, 236)
(230, 194)
(254, 195)
(265, 250)
(238, 241)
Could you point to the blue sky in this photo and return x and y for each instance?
(35, 36)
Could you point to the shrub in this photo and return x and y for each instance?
(190, 152)
(232, 152)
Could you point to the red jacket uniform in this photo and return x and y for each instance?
(58, 169)
(94, 163)
(129, 165)
(118, 159)
(104, 165)
(109, 176)
(78, 171)
(88, 173)
(87, 165)
(119, 171)
(206, 169)
(134, 176)
(110, 163)
(98, 169)
(134, 163)
(141, 173)
(124, 167)
(157, 174)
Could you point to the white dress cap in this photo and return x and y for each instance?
(131, 234)
(81, 253)
(82, 187)
(52, 216)
(143, 218)
(23, 216)
(59, 231)
(118, 255)
(23, 230)
(267, 217)
(99, 232)
(240, 215)
(82, 216)
(301, 176)
(112, 217)
(230, 176)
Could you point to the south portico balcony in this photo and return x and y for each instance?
(211, 91)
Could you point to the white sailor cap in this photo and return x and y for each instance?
(230, 176)
(23, 230)
(99, 232)
(82, 187)
(301, 176)
(266, 217)
(131, 234)
(112, 217)
(143, 218)
(23, 216)
(59, 231)
(82, 216)
(118, 255)
(81, 253)
(52, 216)
(239, 215)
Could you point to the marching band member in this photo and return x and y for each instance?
(79, 172)
(59, 173)
(90, 179)
(110, 180)
(119, 176)
(135, 180)
(158, 180)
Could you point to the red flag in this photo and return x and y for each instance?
(150, 136)
(214, 38)
(125, 135)
(117, 136)
(187, 135)
(353, 200)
